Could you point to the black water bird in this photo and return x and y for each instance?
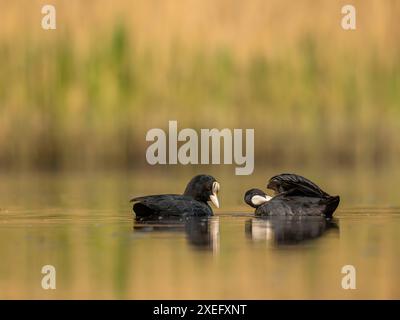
(192, 203)
(295, 196)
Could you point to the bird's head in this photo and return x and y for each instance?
(203, 188)
(256, 197)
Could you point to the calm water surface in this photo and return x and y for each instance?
(84, 227)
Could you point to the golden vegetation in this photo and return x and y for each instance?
(85, 94)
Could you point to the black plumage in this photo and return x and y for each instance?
(296, 185)
(296, 196)
(193, 202)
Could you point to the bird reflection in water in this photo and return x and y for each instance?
(288, 230)
(201, 232)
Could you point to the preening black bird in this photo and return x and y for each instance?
(192, 203)
(295, 196)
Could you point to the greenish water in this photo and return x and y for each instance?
(83, 226)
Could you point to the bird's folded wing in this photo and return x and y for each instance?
(296, 185)
(167, 203)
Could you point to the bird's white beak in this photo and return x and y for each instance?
(259, 200)
(213, 197)
(214, 200)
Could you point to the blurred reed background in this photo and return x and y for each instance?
(84, 95)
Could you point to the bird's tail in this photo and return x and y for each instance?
(331, 205)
